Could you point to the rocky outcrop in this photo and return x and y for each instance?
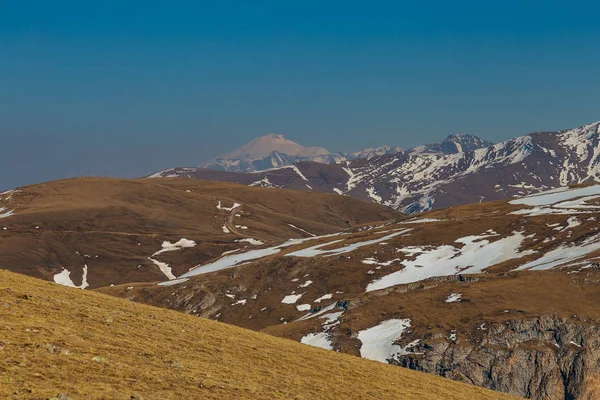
(545, 358)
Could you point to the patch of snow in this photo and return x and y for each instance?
(251, 241)
(291, 298)
(234, 260)
(319, 339)
(316, 250)
(324, 297)
(422, 220)
(164, 268)
(180, 244)
(331, 318)
(319, 313)
(563, 254)
(4, 214)
(572, 222)
(173, 282)
(373, 261)
(304, 307)
(477, 254)
(302, 230)
(454, 297)
(64, 278)
(264, 182)
(535, 211)
(378, 342)
(557, 195)
(305, 284)
(235, 205)
(230, 252)
(371, 193)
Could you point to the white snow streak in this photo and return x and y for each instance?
(164, 268)
(477, 254)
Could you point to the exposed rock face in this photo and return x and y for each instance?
(544, 358)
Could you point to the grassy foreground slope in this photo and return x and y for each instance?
(58, 340)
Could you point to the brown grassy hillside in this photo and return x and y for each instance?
(56, 340)
(114, 225)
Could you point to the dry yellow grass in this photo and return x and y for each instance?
(88, 345)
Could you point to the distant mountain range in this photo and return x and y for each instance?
(273, 151)
(473, 293)
(459, 170)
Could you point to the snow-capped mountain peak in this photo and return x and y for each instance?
(448, 173)
(265, 145)
(275, 150)
(455, 143)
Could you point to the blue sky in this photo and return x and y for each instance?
(124, 88)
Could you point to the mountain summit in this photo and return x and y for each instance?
(269, 151)
(452, 172)
(457, 143)
(265, 145)
(275, 150)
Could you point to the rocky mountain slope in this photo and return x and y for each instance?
(62, 343)
(501, 294)
(419, 180)
(453, 144)
(93, 232)
(273, 151)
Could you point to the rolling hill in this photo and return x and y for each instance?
(62, 343)
(99, 231)
(502, 294)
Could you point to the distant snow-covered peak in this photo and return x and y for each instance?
(265, 145)
(373, 152)
(455, 143)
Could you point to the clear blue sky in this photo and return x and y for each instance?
(128, 87)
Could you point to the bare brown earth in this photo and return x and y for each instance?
(344, 276)
(251, 296)
(58, 341)
(531, 333)
(114, 225)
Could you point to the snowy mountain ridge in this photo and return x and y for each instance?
(275, 150)
(424, 178)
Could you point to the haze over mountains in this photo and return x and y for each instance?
(462, 169)
(272, 151)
